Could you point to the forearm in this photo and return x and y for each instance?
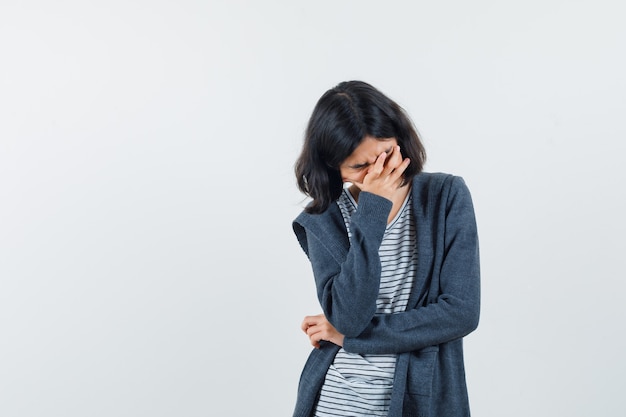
(347, 290)
(448, 319)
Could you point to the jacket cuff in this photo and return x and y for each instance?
(374, 206)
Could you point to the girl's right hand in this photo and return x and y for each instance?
(384, 177)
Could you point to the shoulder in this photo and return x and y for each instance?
(319, 221)
(438, 185)
(437, 181)
(441, 196)
(329, 224)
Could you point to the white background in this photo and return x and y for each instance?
(147, 262)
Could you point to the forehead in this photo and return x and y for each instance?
(369, 149)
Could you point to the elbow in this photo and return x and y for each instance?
(470, 318)
(351, 323)
(350, 315)
(473, 323)
(467, 311)
(464, 315)
(351, 329)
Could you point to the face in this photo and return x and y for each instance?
(355, 166)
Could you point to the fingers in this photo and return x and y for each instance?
(393, 160)
(379, 165)
(310, 321)
(316, 329)
(305, 325)
(389, 163)
(315, 336)
(385, 176)
(396, 161)
(396, 166)
(318, 333)
(399, 171)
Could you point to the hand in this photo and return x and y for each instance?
(318, 328)
(384, 177)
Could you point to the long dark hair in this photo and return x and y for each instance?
(341, 119)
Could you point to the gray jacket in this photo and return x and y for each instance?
(443, 306)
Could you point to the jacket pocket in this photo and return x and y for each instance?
(419, 388)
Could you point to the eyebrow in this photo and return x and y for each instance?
(358, 166)
(363, 165)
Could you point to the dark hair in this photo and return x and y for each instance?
(341, 119)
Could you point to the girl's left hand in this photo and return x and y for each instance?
(318, 328)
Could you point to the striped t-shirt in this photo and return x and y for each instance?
(360, 385)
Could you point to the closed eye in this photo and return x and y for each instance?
(366, 164)
(359, 166)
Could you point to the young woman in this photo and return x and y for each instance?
(394, 253)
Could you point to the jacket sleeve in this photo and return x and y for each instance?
(347, 290)
(454, 312)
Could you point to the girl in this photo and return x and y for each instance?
(394, 253)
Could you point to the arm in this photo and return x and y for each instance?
(455, 311)
(347, 292)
